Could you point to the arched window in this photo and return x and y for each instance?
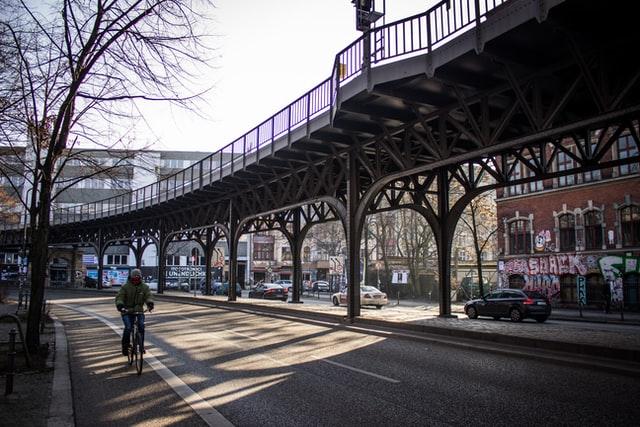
(630, 225)
(568, 291)
(595, 289)
(593, 230)
(516, 281)
(567, 225)
(519, 237)
(631, 287)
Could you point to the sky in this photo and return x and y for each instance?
(267, 54)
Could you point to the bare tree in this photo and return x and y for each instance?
(417, 244)
(74, 69)
(480, 219)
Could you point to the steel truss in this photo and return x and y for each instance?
(481, 122)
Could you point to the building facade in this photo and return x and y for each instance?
(555, 232)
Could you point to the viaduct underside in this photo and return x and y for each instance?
(529, 84)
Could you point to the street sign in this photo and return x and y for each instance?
(581, 283)
(336, 265)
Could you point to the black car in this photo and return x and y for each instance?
(515, 304)
(269, 291)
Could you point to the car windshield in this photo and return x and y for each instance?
(368, 289)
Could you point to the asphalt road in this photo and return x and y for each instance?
(260, 370)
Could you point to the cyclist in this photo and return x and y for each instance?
(131, 298)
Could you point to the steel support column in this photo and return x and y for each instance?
(234, 237)
(162, 259)
(100, 250)
(353, 238)
(444, 243)
(208, 253)
(297, 239)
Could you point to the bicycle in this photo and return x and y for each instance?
(135, 351)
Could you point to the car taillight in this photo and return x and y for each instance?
(268, 291)
(528, 301)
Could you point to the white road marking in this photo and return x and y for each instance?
(351, 368)
(208, 413)
(188, 318)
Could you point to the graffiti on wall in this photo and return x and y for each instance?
(613, 269)
(542, 273)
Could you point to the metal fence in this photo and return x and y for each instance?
(410, 36)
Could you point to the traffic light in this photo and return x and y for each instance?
(365, 14)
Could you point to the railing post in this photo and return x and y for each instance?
(244, 151)
(273, 146)
(308, 114)
(289, 126)
(479, 47)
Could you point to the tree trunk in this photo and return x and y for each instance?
(39, 257)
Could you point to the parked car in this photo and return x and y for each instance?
(223, 289)
(90, 282)
(215, 285)
(515, 304)
(285, 283)
(185, 286)
(320, 286)
(369, 295)
(269, 291)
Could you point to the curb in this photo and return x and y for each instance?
(61, 412)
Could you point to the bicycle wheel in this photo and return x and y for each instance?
(139, 351)
(130, 353)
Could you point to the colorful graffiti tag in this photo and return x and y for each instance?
(542, 273)
(613, 269)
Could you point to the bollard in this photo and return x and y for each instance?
(8, 388)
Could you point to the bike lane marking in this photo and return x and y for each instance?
(361, 371)
(208, 413)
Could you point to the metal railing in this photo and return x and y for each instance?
(409, 36)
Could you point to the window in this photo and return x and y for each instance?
(519, 237)
(631, 287)
(516, 281)
(514, 190)
(595, 289)
(173, 260)
(627, 148)
(630, 225)
(117, 259)
(565, 162)
(286, 253)
(567, 226)
(568, 288)
(263, 251)
(306, 254)
(593, 230)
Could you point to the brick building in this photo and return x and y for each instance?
(553, 232)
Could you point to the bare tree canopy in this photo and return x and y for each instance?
(72, 72)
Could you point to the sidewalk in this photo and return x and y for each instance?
(28, 405)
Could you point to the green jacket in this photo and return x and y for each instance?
(133, 297)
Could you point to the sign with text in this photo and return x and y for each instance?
(400, 277)
(185, 271)
(581, 283)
